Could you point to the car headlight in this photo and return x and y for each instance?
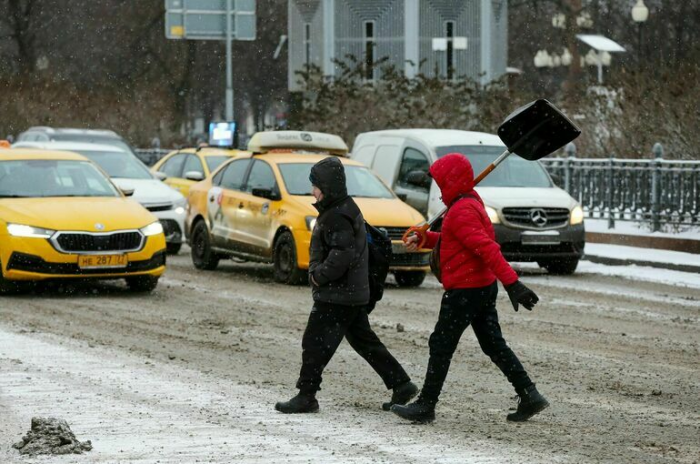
(310, 222)
(180, 205)
(576, 215)
(152, 229)
(493, 215)
(20, 230)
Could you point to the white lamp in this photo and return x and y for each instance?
(640, 12)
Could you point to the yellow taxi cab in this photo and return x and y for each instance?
(181, 169)
(258, 207)
(61, 217)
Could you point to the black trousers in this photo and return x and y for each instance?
(459, 309)
(327, 326)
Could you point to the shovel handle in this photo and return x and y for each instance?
(420, 230)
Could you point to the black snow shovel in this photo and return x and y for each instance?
(532, 132)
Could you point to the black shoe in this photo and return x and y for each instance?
(530, 403)
(302, 403)
(402, 395)
(415, 412)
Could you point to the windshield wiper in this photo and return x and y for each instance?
(15, 196)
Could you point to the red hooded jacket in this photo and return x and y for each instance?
(469, 254)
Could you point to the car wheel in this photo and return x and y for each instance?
(142, 284)
(203, 257)
(409, 278)
(561, 266)
(285, 261)
(173, 248)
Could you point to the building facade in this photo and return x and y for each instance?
(455, 38)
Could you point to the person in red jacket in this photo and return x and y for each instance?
(470, 263)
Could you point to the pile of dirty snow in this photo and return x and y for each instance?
(51, 436)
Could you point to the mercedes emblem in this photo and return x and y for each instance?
(538, 217)
(99, 226)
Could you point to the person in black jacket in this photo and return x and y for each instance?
(339, 278)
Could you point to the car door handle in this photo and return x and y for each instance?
(240, 205)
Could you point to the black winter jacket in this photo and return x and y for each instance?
(338, 254)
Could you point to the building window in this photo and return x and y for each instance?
(450, 54)
(369, 50)
(307, 45)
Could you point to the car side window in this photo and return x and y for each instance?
(193, 164)
(413, 160)
(234, 174)
(173, 167)
(261, 177)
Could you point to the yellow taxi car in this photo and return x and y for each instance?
(61, 217)
(258, 207)
(183, 168)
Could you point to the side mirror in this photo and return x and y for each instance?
(402, 196)
(419, 179)
(266, 193)
(160, 175)
(558, 181)
(127, 192)
(194, 175)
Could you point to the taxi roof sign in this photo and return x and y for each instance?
(263, 142)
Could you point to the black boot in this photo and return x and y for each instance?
(302, 403)
(417, 411)
(530, 403)
(402, 395)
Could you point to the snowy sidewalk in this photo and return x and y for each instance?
(625, 255)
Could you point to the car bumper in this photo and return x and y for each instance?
(529, 245)
(37, 259)
(173, 224)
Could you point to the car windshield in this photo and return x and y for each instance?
(513, 172)
(214, 162)
(360, 180)
(48, 178)
(118, 164)
(87, 138)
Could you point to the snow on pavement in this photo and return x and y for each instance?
(642, 254)
(153, 412)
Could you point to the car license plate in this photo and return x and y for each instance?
(398, 248)
(540, 238)
(102, 261)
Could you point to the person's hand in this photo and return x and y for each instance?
(520, 294)
(413, 241)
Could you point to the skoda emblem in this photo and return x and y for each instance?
(99, 226)
(306, 137)
(538, 217)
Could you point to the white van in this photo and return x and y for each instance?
(534, 219)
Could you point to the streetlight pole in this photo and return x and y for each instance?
(640, 13)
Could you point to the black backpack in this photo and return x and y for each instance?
(379, 258)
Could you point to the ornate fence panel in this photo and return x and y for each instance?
(657, 191)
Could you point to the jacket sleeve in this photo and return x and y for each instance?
(340, 238)
(431, 239)
(470, 231)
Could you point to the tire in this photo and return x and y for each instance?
(409, 278)
(563, 266)
(173, 248)
(285, 261)
(203, 257)
(142, 284)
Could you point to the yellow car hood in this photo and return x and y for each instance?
(384, 212)
(76, 213)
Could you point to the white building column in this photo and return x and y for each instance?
(328, 37)
(486, 44)
(411, 37)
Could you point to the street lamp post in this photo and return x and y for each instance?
(640, 13)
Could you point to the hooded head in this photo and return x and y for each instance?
(454, 175)
(329, 176)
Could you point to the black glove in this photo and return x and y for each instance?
(519, 293)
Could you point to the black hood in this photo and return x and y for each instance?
(329, 176)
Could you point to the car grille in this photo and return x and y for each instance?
(410, 259)
(154, 208)
(537, 218)
(395, 233)
(81, 242)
